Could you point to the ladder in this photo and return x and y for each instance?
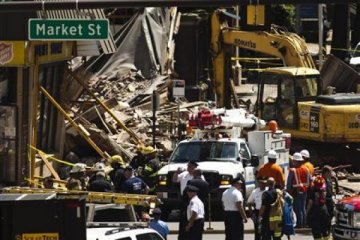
(91, 197)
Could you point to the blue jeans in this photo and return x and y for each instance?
(299, 208)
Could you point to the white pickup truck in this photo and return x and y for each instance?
(221, 160)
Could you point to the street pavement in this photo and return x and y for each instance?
(246, 237)
(217, 230)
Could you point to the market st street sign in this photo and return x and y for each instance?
(68, 29)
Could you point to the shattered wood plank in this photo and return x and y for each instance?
(72, 89)
(91, 113)
(104, 141)
(182, 106)
(48, 165)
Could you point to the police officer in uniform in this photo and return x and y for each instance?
(195, 214)
(183, 177)
(235, 216)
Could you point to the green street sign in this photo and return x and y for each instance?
(68, 29)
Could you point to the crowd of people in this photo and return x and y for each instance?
(276, 206)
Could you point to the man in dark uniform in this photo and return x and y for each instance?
(202, 185)
(134, 185)
(117, 175)
(100, 184)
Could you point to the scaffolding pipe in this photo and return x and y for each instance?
(78, 129)
(21, 6)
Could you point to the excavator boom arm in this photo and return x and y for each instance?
(289, 47)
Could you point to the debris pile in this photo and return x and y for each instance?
(127, 94)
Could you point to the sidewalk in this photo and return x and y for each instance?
(219, 228)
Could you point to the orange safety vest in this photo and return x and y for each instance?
(300, 178)
(310, 166)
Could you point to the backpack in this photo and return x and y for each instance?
(276, 213)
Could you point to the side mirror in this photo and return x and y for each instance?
(245, 162)
(255, 160)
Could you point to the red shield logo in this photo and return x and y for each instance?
(6, 53)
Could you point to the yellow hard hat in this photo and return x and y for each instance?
(149, 150)
(117, 158)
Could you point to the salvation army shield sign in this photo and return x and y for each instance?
(6, 52)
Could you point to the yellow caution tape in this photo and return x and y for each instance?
(51, 157)
(33, 182)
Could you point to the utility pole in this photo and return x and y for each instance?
(237, 67)
(321, 34)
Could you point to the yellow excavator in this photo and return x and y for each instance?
(291, 95)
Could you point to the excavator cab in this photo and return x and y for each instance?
(280, 90)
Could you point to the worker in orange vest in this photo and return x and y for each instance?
(298, 182)
(271, 169)
(306, 156)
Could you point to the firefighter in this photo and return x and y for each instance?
(306, 156)
(318, 216)
(78, 179)
(266, 215)
(139, 159)
(99, 167)
(117, 174)
(298, 182)
(271, 169)
(330, 191)
(100, 184)
(148, 171)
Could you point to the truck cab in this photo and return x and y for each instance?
(347, 216)
(220, 160)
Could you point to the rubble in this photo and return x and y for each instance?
(128, 95)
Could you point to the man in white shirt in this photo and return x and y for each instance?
(254, 203)
(183, 177)
(195, 214)
(235, 216)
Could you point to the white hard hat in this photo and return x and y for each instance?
(78, 167)
(272, 154)
(297, 157)
(305, 153)
(99, 166)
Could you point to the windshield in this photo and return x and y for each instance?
(306, 86)
(207, 151)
